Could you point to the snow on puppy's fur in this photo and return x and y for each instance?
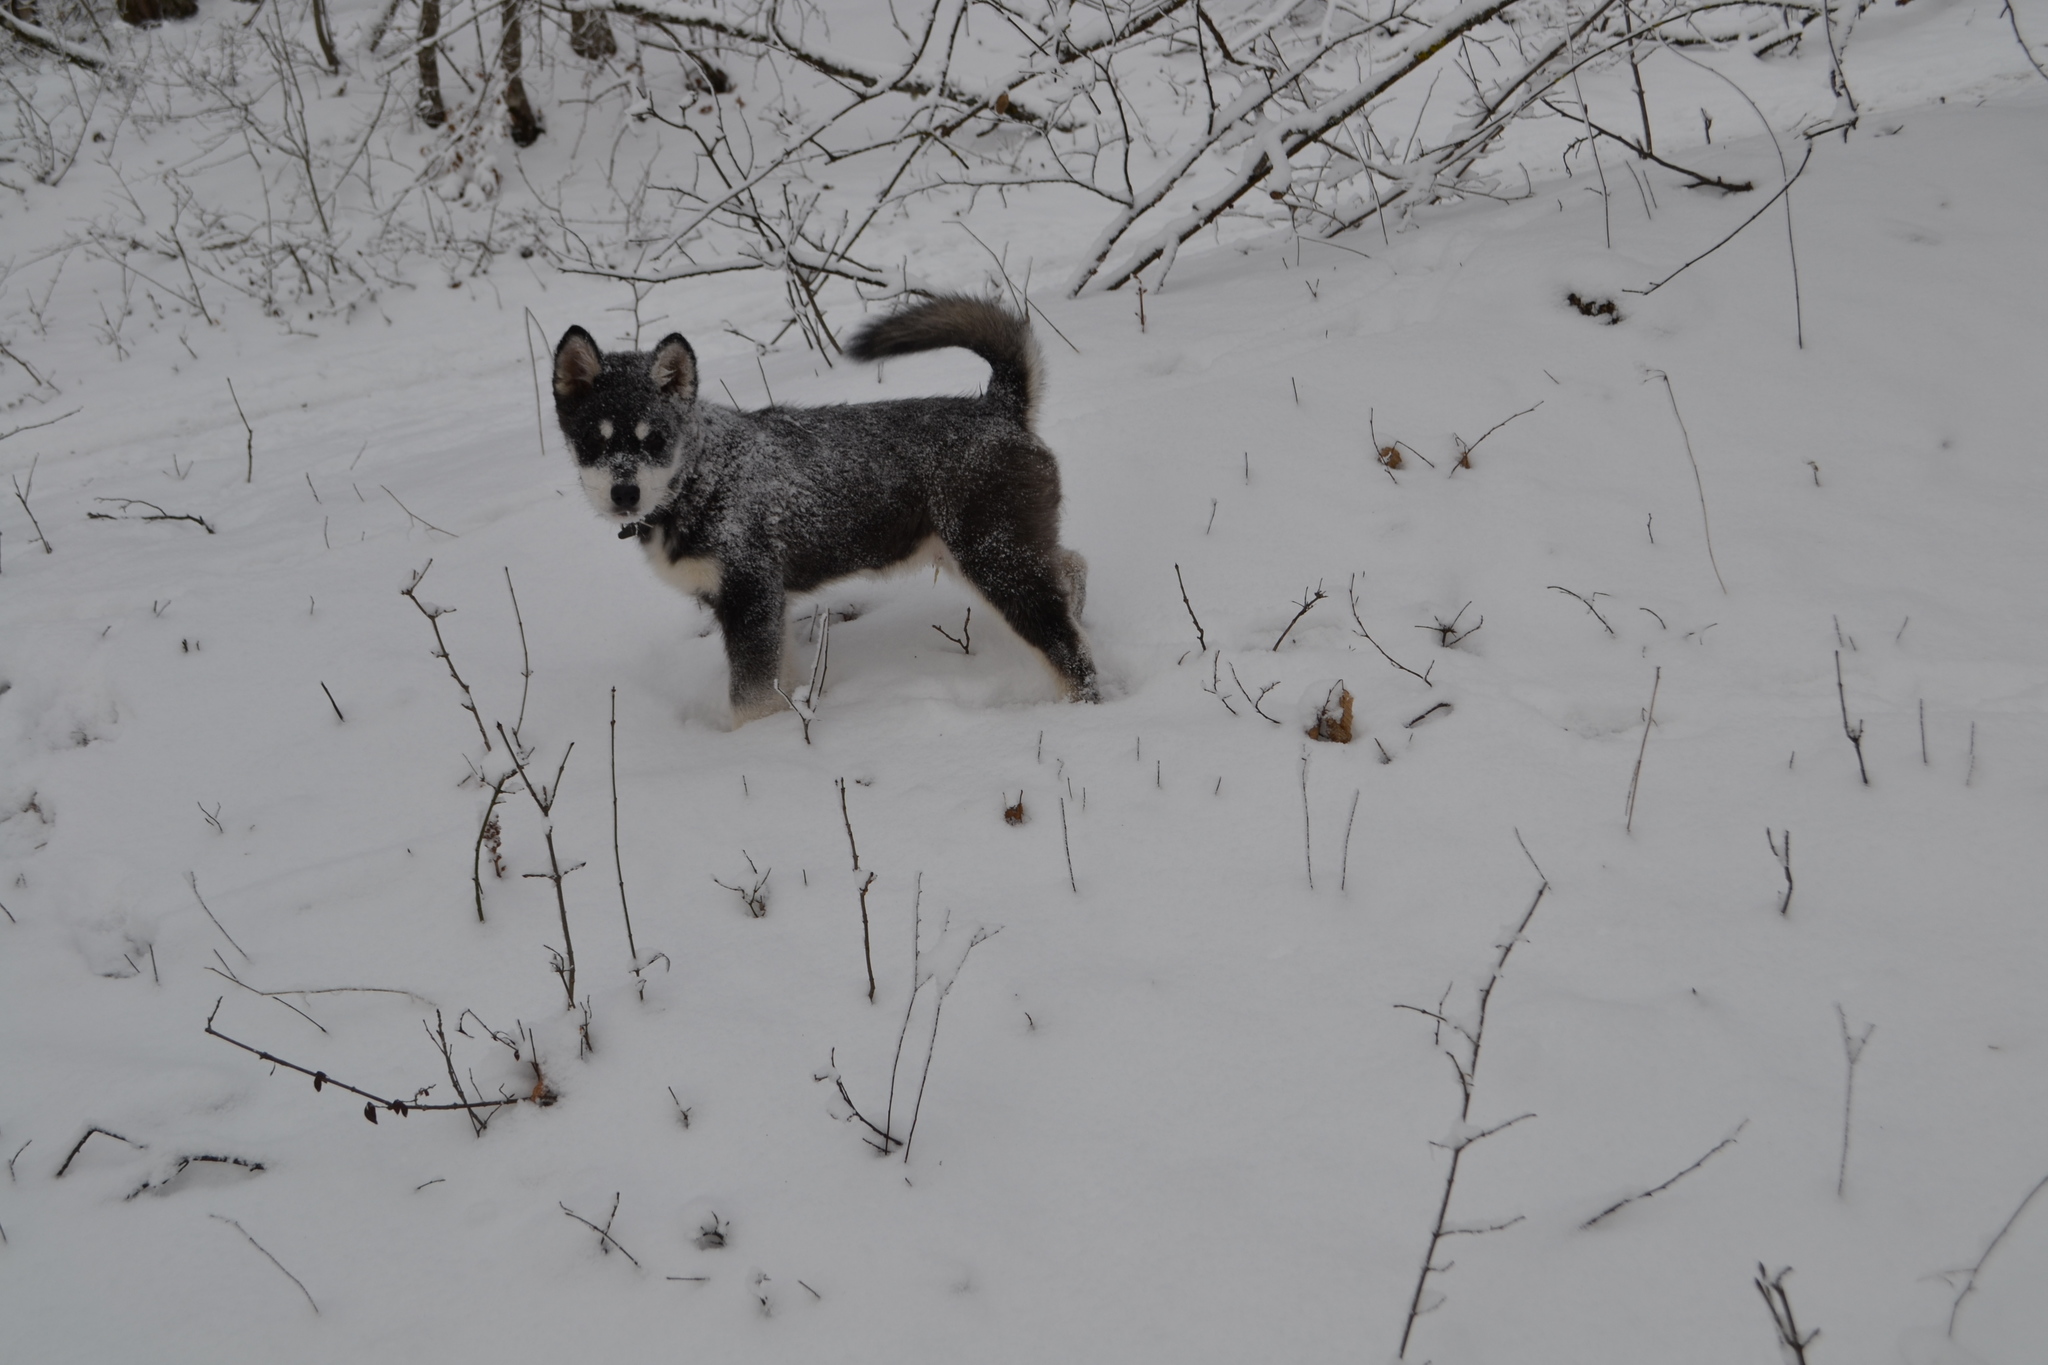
(740, 509)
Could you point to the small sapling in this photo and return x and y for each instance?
(1779, 1302)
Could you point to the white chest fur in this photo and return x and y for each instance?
(697, 577)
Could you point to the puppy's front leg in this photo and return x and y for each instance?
(751, 613)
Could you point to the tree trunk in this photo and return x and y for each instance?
(590, 35)
(432, 111)
(526, 127)
(140, 12)
(325, 38)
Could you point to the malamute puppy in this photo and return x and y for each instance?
(742, 509)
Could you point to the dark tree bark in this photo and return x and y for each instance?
(590, 35)
(140, 12)
(432, 111)
(526, 125)
(325, 38)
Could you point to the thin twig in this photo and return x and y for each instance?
(540, 431)
(192, 880)
(1067, 844)
(438, 1036)
(226, 973)
(1468, 1072)
(21, 492)
(2033, 61)
(1606, 217)
(1653, 1192)
(1855, 732)
(1700, 180)
(1307, 602)
(525, 658)
(544, 800)
(1201, 640)
(867, 948)
(434, 614)
(1588, 604)
(155, 513)
(1344, 866)
(1465, 452)
(1772, 1287)
(1784, 856)
(847, 819)
(249, 475)
(488, 831)
(1970, 1282)
(1649, 719)
(1367, 637)
(267, 1256)
(321, 1081)
(618, 864)
(1852, 1049)
(1307, 847)
(37, 426)
(1250, 698)
(1783, 190)
(1698, 483)
(76, 1148)
(417, 517)
(603, 1232)
(938, 1007)
(964, 640)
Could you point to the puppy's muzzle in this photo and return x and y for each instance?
(625, 496)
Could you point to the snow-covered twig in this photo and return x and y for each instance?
(544, 801)
(1465, 1134)
(434, 614)
(35, 35)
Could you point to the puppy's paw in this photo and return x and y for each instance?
(749, 708)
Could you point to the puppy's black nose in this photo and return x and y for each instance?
(625, 496)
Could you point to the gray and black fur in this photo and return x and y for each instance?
(742, 509)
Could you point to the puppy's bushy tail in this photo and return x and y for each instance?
(988, 329)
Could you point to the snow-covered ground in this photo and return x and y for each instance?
(1172, 1111)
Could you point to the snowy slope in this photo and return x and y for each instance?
(1172, 1112)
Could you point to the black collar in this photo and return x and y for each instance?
(635, 530)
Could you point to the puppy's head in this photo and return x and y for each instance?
(626, 416)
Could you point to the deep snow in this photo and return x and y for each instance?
(1173, 1115)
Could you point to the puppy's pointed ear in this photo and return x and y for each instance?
(577, 362)
(675, 368)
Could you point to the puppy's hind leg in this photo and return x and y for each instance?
(1037, 593)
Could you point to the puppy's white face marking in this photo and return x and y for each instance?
(604, 428)
(639, 432)
(651, 479)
